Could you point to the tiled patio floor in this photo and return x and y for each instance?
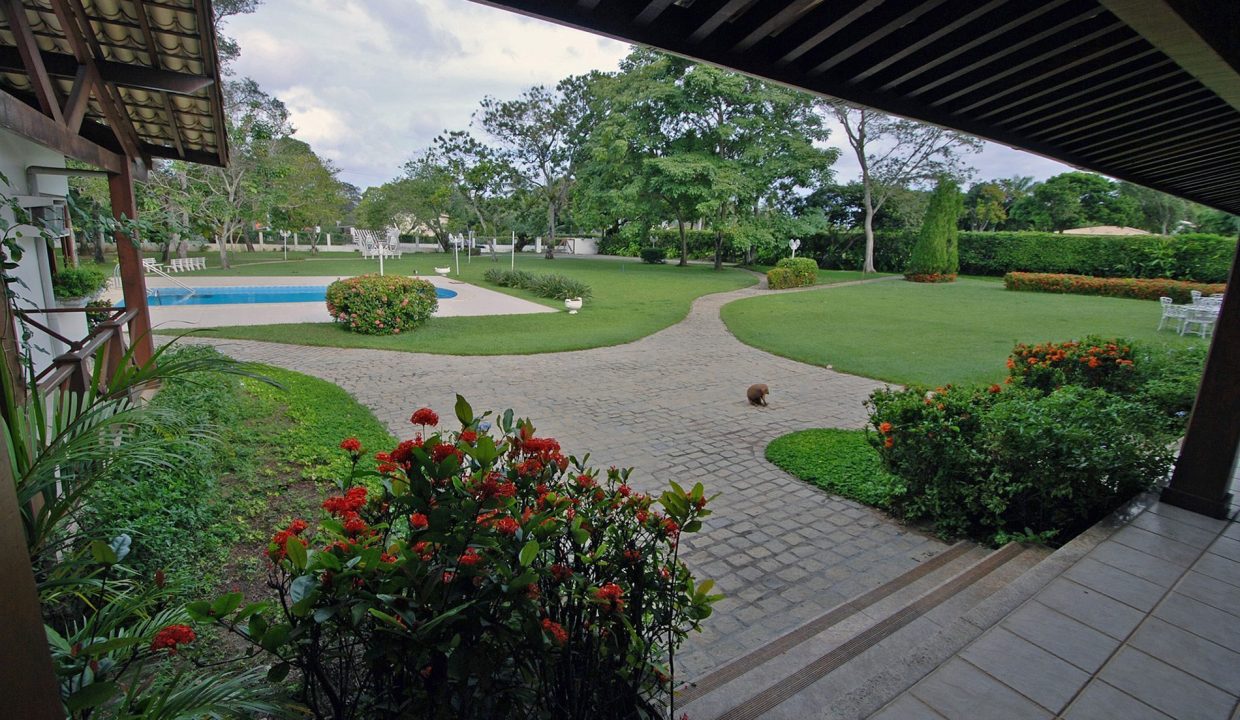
(1146, 626)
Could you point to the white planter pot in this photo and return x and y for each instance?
(573, 305)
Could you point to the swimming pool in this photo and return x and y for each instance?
(248, 295)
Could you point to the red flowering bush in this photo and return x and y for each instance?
(930, 277)
(1091, 362)
(381, 304)
(1137, 288)
(491, 576)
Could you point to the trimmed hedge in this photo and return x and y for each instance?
(1136, 288)
(653, 256)
(792, 272)
(381, 304)
(1192, 256)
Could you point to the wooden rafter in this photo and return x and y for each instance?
(72, 19)
(79, 100)
(207, 27)
(153, 53)
(31, 60)
(127, 74)
(24, 120)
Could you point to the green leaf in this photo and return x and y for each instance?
(102, 553)
(276, 636)
(327, 561)
(296, 552)
(92, 695)
(278, 672)
(302, 587)
(226, 604)
(529, 552)
(464, 412)
(251, 609)
(200, 611)
(107, 646)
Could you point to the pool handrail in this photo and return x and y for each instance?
(116, 273)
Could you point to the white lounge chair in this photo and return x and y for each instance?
(1202, 318)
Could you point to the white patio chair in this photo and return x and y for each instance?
(365, 241)
(1201, 318)
(151, 265)
(392, 244)
(1174, 313)
(1196, 295)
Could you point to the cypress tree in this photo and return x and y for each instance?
(935, 256)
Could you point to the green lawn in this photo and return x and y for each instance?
(839, 461)
(631, 300)
(930, 333)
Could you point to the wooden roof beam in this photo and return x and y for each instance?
(32, 61)
(888, 28)
(206, 26)
(129, 75)
(1070, 80)
(17, 116)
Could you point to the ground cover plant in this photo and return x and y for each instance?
(547, 285)
(376, 304)
(630, 300)
(824, 277)
(509, 579)
(1137, 288)
(842, 462)
(905, 332)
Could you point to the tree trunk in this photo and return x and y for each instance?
(550, 254)
(182, 245)
(718, 249)
(99, 258)
(166, 255)
(219, 243)
(868, 266)
(684, 243)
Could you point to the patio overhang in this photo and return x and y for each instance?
(1143, 90)
(112, 83)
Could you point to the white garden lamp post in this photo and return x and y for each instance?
(794, 244)
(513, 265)
(456, 253)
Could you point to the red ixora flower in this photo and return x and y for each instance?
(418, 521)
(424, 416)
(507, 526)
(884, 428)
(555, 630)
(469, 436)
(469, 558)
(610, 595)
(352, 445)
(996, 389)
(350, 502)
(170, 637)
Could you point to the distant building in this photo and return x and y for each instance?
(1106, 230)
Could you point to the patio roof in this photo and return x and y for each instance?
(138, 78)
(1144, 90)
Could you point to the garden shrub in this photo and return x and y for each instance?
(1078, 428)
(792, 272)
(78, 282)
(491, 576)
(654, 256)
(935, 257)
(381, 304)
(548, 285)
(1137, 288)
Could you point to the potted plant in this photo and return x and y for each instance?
(573, 305)
(73, 286)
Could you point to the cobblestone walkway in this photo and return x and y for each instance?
(673, 406)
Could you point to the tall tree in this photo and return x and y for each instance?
(536, 137)
(984, 206)
(894, 152)
(1160, 212)
(1075, 199)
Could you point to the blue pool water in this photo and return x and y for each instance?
(248, 295)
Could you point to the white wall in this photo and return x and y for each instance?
(34, 273)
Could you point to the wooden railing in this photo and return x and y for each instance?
(73, 370)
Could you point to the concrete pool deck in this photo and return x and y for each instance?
(470, 301)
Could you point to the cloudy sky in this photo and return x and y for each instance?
(371, 82)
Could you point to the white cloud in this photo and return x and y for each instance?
(370, 82)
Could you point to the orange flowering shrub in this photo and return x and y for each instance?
(491, 575)
(1137, 288)
(1091, 362)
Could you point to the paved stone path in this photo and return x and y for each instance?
(672, 405)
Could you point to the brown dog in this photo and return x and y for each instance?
(757, 394)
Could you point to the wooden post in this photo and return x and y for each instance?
(1202, 478)
(133, 278)
(27, 680)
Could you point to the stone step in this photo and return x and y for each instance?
(798, 674)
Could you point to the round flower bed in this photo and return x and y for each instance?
(930, 277)
(381, 304)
